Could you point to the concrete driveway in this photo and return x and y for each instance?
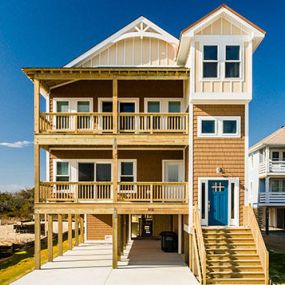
(90, 263)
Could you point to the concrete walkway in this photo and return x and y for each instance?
(90, 263)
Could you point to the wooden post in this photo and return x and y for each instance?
(59, 234)
(179, 234)
(115, 171)
(36, 106)
(186, 248)
(125, 232)
(119, 236)
(37, 241)
(191, 255)
(130, 228)
(115, 238)
(115, 106)
(50, 241)
(37, 173)
(76, 230)
(82, 229)
(69, 231)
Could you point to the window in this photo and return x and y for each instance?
(274, 185)
(83, 106)
(208, 127)
(275, 155)
(210, 61)
(229, 126)
(127, 171)
(232, 63)
(283, 155)
(62, 171)
(153, 106)
(174, 107)
(62, 106)
(218, 126)
(107, 106)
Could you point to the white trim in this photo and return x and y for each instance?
(72, 103)
(219, 126)
(235, 181)
(220, 98)
(246, 148)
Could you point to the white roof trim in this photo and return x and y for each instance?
(124, 33)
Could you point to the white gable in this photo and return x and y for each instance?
(141, 43)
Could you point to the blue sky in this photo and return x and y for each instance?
(40, 33)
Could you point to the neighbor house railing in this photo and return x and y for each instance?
(103, 122)
(199, 258)
(272, 198)
(249, 220)
(272, 167)
(152, 192)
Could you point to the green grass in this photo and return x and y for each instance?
(277, 267)
(22, 263)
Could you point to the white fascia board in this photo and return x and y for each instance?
(220, 98)
(110, 40)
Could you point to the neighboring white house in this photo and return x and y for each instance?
(266, 181)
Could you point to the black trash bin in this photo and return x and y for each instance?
(169, 241)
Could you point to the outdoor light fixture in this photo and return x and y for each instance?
(219, 170)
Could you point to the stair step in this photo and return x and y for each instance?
(234, 268)
(231, 257)
(229, 240)
(230, 246)
(232, 251)
(239, 262)
(240, 281)
(227, 236)
(244, 274)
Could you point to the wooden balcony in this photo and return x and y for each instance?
(102, 192)
(102, 123)
(272, 168)
(272, 198)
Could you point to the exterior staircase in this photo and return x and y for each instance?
(231, 256)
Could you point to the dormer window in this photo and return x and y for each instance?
(232, 62)
(210, 61)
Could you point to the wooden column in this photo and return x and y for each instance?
(191, 255)
(69, 231)
(115, 171)
(76, 230)
(59, 234)
(82, 228)
(50, 241)
(36, 106)
(119, 236)
(180, 234)
(115, 106)
(37, 247)
(125, 232)
(37, 173)
(115, 239)
(130, 228)
(186, 248)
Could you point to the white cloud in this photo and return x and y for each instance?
(18, 144)
(12, 188)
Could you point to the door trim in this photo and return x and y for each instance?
(232, 180)
(120, 100)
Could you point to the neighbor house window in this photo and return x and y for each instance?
(232, 63)
(210, 61)
(275, 155)
(62, 171)
(219, 126)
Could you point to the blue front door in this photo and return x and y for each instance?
(218, 199)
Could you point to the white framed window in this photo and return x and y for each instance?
(232, 61)
(163, 105)
(221, 60)
(62, 173)
(210, 61)
(66, 105)
(226, 126)
(278, 155)
(127, 170)
(277, 185)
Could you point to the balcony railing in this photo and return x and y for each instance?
(103, 123)
(77, 192)
(272, 167)
(272, 198)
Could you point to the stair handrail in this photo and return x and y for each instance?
(249, 220)
(198, 236)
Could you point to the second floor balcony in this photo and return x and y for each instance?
(103, 123)
(102, 192)
(272, 168)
